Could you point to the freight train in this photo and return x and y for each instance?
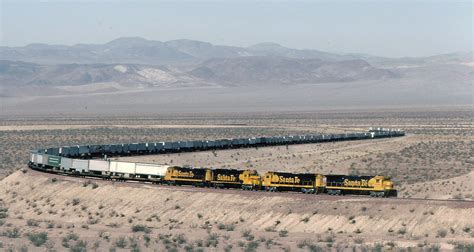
(91, 161)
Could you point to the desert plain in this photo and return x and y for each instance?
(432, 167)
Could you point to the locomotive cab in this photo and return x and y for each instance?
(250, 180)
(382, 186)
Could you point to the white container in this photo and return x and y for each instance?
(39, 158)
(122, 167)
(80, 165)
(66, 163)
(151, 169)
(99, 165)
(32, 157)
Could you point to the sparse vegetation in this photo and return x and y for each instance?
(12, 232)
(121, 242)
(442, 233)
(415, 163)
(38, 239)
(32, 223)
(283, 233)
(76, 201)
(68, 238)
(140, 228)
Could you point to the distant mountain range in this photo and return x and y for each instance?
(134, 50)
(130, 63)
(142, 51)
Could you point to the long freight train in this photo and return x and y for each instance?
(84, 161)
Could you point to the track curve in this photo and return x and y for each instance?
(92, 161)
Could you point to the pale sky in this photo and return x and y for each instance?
(384, 28)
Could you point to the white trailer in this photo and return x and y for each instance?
(122, 167)
(80, 165)
(151, 169)
(66, 163)
(99, 165)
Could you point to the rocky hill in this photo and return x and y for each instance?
(268, 69)
(252, 70)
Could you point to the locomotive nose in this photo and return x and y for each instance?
(388, 184)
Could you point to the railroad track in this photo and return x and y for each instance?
(458, 203)
(90, 161)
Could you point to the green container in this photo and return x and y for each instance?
(54, 161)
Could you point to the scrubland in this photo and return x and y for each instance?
(434, 161)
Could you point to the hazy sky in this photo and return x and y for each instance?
(385, 28)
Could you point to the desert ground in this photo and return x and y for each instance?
(432, 167)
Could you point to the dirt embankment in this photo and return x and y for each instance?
(63, 205)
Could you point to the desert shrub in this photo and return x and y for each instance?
(251, 246)
(329, 239)
(304, 243)
(140, 228)
(442, 233)
(305, 219)
(12, 233)
(212, 240)
(180, 239)
(121, 242)
(315, 248)
(402, 231)
(464, 247)
(32, 223)
(38, 239)
(247, 234)
(270, 229)
(358, 240)
(3, 212)
(68, 238)
(228, 248)
(79, 246)
(283, 233)
(228, 227)
(92, 221)
(76, 201)
(268, 243)
(391, 244)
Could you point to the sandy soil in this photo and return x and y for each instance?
(322, 157)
